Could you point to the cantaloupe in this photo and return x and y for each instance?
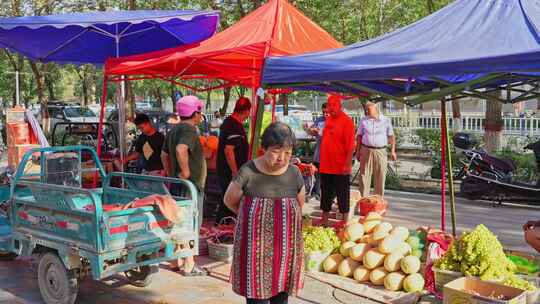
(354, 231)
(354, 219)
(345, 247)
(410, 264)
(389, 244)
(377, 275)
(401, 232)
(404, 249)
(346, 267)
(361, 274)
(383, 226)
(373, 259)
(394, 281)
(413, 282)
(392, 262)
(331, 263)
(358, 251)
(366, 238)
(373, 216)
(370, 225)
(379, 235)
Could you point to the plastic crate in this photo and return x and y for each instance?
(442, 277)
(533, 297)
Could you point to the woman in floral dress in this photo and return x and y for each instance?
(268, 194)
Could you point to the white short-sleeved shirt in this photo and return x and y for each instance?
(375, 132)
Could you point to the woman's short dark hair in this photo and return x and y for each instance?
(278, 134)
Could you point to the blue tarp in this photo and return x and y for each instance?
(93, 37)
(465, 39)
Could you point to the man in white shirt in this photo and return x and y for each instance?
(374, 134)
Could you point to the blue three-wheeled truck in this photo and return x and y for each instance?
(49, 211)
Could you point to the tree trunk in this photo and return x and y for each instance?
(159, 98)
(50, 88)
(285, 103)
(208, 101)
(40, 84)
(173, 98)
(493, 125)
(456, 115)
(226, 98)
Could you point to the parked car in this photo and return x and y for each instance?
(298, 116)
(71, 113)
(144, 105)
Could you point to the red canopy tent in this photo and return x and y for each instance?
(235, 55)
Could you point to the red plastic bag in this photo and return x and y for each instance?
(373, 203)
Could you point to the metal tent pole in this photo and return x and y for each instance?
(450, 171)
(443, 166)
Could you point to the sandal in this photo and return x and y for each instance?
(196, 272)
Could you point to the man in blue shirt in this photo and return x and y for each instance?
(317, 131)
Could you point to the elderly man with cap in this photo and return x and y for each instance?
(233, 150)
(182, 156)
(373, 136)
(336, 152)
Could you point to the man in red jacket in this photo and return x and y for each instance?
(337, 147)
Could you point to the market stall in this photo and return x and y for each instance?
(467, 49)
(82, 38)
(234, 56)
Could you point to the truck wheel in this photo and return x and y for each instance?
(7, 256)
(140, 276)
(56, 284)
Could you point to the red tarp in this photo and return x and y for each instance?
(236, 54)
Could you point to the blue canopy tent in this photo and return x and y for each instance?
(93, 37)
(82, 38)
(468, 48)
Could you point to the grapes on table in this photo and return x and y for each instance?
(479, 253)
(320, 239)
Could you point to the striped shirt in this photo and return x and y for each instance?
(375, 132)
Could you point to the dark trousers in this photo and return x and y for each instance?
(224, 211)
(280, 298)
(332, 186)
(317, 187)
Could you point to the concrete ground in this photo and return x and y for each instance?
(18, 282)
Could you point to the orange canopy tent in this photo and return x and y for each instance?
(235, 55)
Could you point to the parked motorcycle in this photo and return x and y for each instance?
(489, 177)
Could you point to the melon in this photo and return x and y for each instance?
(404, 249)
(366, 238)
(373, 216)
(347, 267)
(410, 264)
(331, 263)
(373, 259)
(361, 274)
(358, 251)
(377, 275)
(413, 282)
(401, 232)
(345, 247)
(354, 219)
(389, 244)
(370, 225)
(383, 226)
(394, 281)
(392, 262)
(354, 231)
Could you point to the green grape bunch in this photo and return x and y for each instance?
(320, 239)
(479, 253)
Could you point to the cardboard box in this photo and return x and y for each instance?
(469, 290)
